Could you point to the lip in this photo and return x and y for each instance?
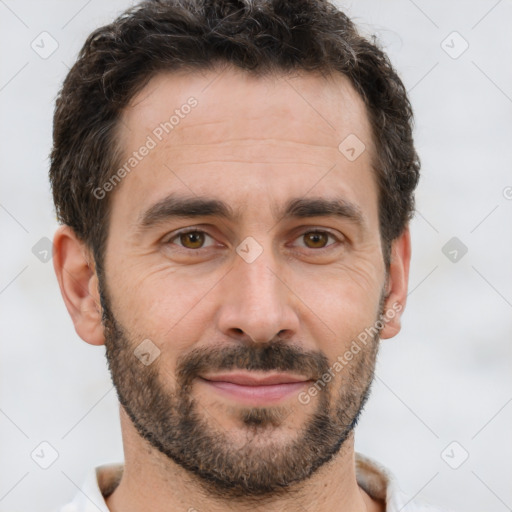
(255, 390)
(246, 379)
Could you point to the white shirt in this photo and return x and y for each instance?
(377, 481)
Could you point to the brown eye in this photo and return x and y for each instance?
(192, 239)
(190, 243)
(316, 239)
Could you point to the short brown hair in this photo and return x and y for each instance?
(267, 36)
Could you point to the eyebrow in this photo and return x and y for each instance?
(177, 206)
(322, 207)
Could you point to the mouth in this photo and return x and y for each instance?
(255, 389)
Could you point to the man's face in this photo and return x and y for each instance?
(279, 286)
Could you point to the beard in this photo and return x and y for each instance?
(171, 420)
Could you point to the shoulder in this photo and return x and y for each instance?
(98, 484)
(381, 484)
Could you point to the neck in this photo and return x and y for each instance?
(151, 481)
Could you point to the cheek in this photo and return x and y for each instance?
(350, 289)
(339, 305)
(163, 305)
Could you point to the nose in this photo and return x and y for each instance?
(257, 305)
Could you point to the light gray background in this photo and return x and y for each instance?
(445, 378)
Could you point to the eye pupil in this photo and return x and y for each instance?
(193, 240)
(317, 238)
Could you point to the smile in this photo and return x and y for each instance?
(252, 390)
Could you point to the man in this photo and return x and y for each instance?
(235, 182)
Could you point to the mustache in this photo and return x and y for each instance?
(278, 356)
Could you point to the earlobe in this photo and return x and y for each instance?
(398, 279)
(78, 283)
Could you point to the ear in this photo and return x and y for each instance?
(398, 279)
(74, 267)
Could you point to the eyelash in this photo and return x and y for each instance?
(201, 249)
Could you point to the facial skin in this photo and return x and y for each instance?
(254, 144)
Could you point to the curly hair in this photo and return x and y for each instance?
(258, 36)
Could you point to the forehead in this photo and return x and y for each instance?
(243, 136)
(233, 104)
